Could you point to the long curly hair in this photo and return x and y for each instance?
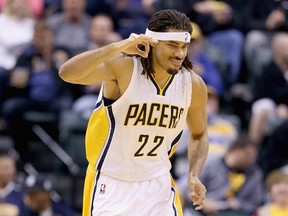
(162, 21)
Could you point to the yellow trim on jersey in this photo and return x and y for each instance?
(177, 201)
(161, 90)
(174, 145)
(89, 186)
(165, 85)
(173, 150)
(96, 135)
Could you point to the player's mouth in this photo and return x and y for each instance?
(176, 62)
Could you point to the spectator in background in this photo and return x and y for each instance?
(202, 64)
(181, 5)
(102, 33)
(274, 151)
(234, 182)
(36, 6)
(17, 26)
(95, 7)
(222, 130)
(220, 23)
(35, 85)
(40, 199)
(16, 31)
(263, 22)
(271, 92)
(52, 7)
(71, 26)
(132, 15)
(277, 186)
(11, 194)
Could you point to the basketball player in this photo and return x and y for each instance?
(149, 91)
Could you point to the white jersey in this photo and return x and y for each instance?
(133, 138)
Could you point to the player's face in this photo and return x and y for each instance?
(169, 56)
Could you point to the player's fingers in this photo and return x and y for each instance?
(194, 198)
(152, 41)
(143, 49)
(140, 38)
(133, 37)
(197, 191)
(199, 204)
(193, 195)
(199, 207)
(199, 201)
(149, 39)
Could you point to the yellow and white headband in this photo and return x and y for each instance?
(169, 36)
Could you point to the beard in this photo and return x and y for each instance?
(172, 71)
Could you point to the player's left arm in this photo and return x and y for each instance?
(198, 143)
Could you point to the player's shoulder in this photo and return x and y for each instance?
(197, 80)
(199, 90)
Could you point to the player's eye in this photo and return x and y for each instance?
(172, 45)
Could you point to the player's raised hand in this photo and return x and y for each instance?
(197, 192)
(138, 45)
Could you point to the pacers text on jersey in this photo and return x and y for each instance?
(154, 114)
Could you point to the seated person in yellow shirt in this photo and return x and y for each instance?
(277, 185)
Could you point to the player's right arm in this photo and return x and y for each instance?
(102, 64)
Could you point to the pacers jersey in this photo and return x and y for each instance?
(133, 138)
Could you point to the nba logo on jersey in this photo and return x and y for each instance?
(102, 188)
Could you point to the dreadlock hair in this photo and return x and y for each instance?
(163, 21)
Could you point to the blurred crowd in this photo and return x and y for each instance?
(239, 48)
